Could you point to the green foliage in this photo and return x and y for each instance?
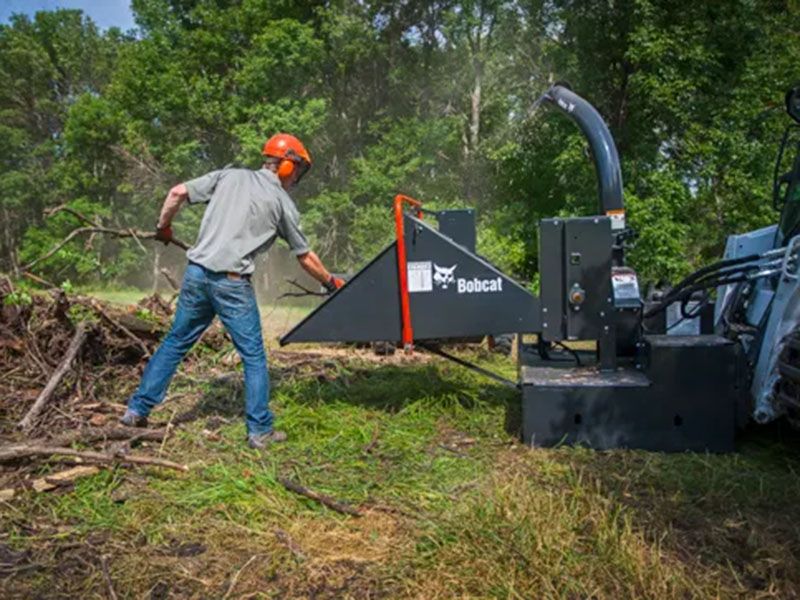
(660, 218)
(18, 297)
(432, 101)
(78, 313)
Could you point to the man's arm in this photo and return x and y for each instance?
(172, 204)
(314, 267)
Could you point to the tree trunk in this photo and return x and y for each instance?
(8, 242)
(475, 108)
(156, 268)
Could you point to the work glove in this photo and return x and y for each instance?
(333, 284)
(164, 234)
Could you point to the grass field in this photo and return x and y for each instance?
(453, 506)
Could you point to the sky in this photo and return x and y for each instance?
(106, 13)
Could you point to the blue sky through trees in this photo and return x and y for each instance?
(106, 13)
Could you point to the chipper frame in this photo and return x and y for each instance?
(639, 387)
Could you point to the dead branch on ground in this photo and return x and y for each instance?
(127, 332)
(50, 482)
(368, 449)
(331, 503)
(107, 576)
(287, 540)
(94, 434)
(17, 451)
(81, 334)
(236, 575)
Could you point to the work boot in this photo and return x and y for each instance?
(262, 440)
(131, 419)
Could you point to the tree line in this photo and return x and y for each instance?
(431, 99)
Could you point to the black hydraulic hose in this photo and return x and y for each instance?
(702, 302)
(700, 275)
(690, 315)
(687, 293)
(575, 355)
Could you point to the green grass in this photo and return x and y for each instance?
(454, 507)
(125, 296)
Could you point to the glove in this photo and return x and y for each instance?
(333, 284)
(164, 234)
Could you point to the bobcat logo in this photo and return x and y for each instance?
(444, 276)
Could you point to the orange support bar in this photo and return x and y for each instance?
(402, 268)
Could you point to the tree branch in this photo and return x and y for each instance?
(321, 498)
(17, 451)
(127, 332)
(120, 233)
(26, 424)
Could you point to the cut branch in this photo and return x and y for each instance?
(50, 482)
(107, 576)
(64, 208)
(305, 291)
(81, 334)
(88, 435)
(331, 503)
(125, 331)
(18, 451)
(39, 280)
(170, 280)
(290, 544)
(120, 233)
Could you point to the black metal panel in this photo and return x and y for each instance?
(366, 309)
(474, 299)
(551, 278)
(459, 226)
(684, 400)
(587, 243)
(468, 297)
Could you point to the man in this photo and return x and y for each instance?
(246, 211)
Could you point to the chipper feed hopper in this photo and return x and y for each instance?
(674, 371)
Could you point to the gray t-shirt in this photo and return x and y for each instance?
(246, 211)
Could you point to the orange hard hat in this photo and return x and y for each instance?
(291, 151)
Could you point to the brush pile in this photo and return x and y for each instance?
(67, 365)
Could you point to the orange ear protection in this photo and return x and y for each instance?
(290, 163)
(285, 168)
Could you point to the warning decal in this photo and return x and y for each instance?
(420, 276)
(626, 287)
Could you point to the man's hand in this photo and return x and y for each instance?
(333, 284)
(314, 267)
(164, 234)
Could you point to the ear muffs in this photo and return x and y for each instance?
(285, 169)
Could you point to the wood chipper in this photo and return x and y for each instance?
(678, 369)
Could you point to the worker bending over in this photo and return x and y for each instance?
(246, 211)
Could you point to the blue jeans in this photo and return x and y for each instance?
(203, 295)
